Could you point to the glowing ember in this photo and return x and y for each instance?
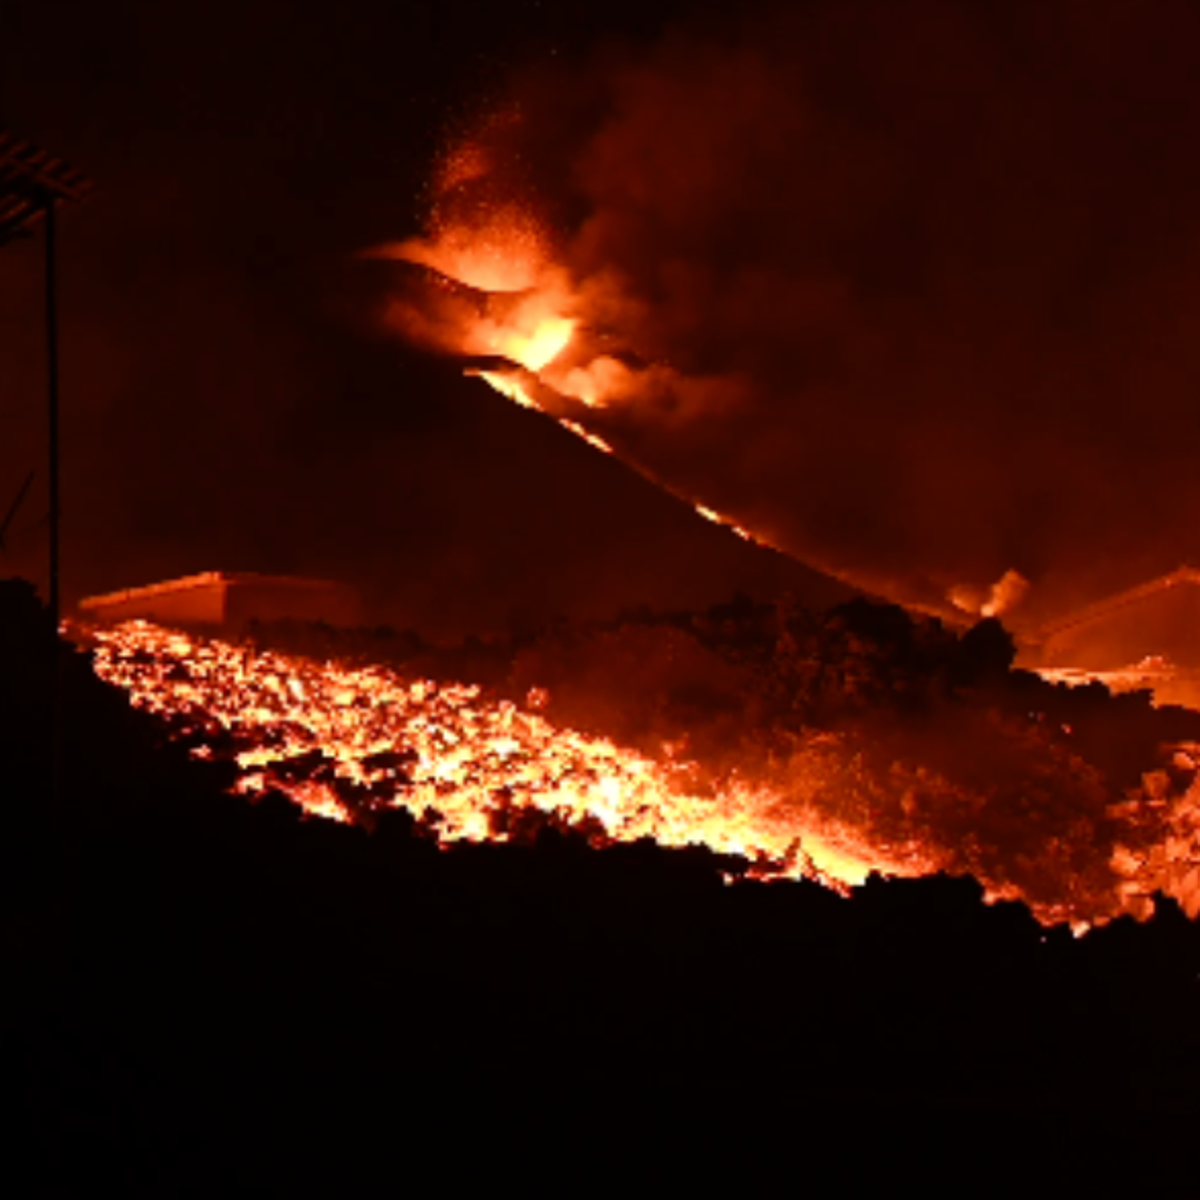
(592, 439)
(715, 517)
(508, 386)
(1166, 682)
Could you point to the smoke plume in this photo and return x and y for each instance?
(908, 290)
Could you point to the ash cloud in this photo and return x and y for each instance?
(924, 277)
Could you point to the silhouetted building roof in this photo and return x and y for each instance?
(227, 600)
(1159, 619)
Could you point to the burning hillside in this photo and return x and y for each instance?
(822, 747)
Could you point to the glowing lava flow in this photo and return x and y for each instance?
(340, 741)
(345, 742)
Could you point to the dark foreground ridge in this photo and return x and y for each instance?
(174, 949)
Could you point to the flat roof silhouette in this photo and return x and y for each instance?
(227, 598)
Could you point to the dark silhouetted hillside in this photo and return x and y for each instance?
(176, 949)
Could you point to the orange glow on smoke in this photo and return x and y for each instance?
(531, 317)
(508, 259)
(505, 253)
(542, 345)
(533, 331)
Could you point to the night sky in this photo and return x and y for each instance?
(956, 273)
(230, 400)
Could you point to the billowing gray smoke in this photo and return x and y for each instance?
(911, 289)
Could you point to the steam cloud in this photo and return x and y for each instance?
(911, 290)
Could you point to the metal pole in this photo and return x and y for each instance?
(55, 655)
(52, 385)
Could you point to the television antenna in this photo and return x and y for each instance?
(32, 184)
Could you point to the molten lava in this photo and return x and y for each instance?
(344, 742)
(341, 741)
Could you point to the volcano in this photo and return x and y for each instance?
(909, 321)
